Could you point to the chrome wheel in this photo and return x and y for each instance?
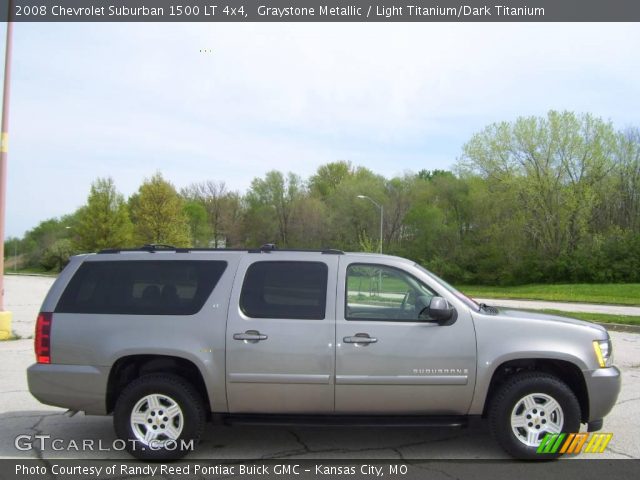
(156, 419)
(534, 416)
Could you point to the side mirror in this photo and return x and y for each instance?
(440, 310)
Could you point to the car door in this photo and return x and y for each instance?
(280, 334)
(391, 358)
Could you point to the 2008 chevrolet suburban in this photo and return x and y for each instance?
(166, 338)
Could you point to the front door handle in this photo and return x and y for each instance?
(360, 338)
(250, 336)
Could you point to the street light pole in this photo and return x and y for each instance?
(4, 137)
(381, 215)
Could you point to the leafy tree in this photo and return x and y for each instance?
(56, 256)
(198, 227)
(104, 221)
(553, 165)
(38, 240)
(328, 177)
(272, 201)
(158, 215)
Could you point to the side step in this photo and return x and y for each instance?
(344, 420)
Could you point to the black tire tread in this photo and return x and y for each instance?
(172, 380)
(502, 396)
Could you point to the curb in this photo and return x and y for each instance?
(46, 275)
(620, 327)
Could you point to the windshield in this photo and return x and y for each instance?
(468, 301)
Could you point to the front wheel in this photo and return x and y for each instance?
(159, 416)
(529, 406)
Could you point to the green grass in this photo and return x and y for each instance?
(596, 317)
(614, 293)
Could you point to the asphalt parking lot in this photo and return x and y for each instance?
(21, 414)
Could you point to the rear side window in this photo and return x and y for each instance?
(296, 290)
(166, 287)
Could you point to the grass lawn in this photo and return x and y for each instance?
(615, 293)
(596, 317)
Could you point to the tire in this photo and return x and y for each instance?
(528, 406)
(170, 405)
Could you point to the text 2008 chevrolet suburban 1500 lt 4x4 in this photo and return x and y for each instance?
(166, 338)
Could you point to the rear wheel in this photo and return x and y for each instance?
(529, 406)
(159, 416)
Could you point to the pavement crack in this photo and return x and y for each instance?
(36, 445)
(304, 448)
(634, 399)
(291, 452)
(618, 452)
(300, 442)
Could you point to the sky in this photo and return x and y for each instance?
(229, 102)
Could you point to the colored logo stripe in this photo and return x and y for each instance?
(599, 442)
(573, 443)
(550, 443)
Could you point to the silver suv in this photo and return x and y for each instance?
(166, 339)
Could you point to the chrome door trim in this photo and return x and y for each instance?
(402, 379)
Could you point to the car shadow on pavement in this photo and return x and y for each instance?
(53, 435)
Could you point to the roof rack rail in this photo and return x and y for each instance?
(266, 248)
(149, 247)
(153, 247)
(271, 247)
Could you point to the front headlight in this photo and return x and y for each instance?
(604, 352)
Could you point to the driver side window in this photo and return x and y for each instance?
(383, 293)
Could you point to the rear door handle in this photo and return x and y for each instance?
(362, 338)
(250, 336)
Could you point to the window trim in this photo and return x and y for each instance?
(325, 289)
(390, 267)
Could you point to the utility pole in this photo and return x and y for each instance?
(5, 317)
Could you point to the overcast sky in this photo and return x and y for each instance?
(127, 100)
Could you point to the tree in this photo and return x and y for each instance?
(158, 215)
(221, 207)
(553, 166)
(104, 221)
(198, 227)
(37, 241)
(328, 177)
(56, 256)
(273, 200)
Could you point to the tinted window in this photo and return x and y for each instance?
(141, 287)
(285, 290)
(379, 292)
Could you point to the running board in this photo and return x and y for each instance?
(343, 420)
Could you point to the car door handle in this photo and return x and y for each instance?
(360, 338)
(250, 336)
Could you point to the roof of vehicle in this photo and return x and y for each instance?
(264, 249)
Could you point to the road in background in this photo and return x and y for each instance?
(23, 297)
(563, 306)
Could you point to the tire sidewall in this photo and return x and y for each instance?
(178, 390)
(517, 389)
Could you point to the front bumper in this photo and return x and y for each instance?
(76, 387)
(603, 386)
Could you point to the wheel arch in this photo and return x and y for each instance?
(564, 370)
(128, 368)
